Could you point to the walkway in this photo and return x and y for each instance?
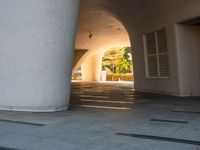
(107, 117)
(118, 96)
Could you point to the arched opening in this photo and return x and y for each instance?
(116, 65)
(98, 32)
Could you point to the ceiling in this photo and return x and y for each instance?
(98, 28)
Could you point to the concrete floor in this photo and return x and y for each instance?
(106, 117)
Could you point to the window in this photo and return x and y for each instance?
(156, 54)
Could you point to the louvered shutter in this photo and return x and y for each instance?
(156, 54)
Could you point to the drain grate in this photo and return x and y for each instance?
(189, 112)
(158, 138)
(7, 148)
(21, 122)
(169, 121)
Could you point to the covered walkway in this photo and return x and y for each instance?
(149, 122)
(116, 96)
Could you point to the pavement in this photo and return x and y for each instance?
(107, 116)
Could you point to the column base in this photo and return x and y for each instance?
(34, 109)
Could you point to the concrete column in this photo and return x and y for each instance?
(91, 68)
(36, 44)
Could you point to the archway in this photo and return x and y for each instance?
(98, 31)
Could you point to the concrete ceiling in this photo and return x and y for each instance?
(99, 30)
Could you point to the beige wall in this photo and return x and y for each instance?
(175, 84)
(140, 17)
(188, 46)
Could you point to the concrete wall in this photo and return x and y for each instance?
(168, 85)
(188, 46)
(164, 17)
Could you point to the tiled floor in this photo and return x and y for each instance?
(107, 117)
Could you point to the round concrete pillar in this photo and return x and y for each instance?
(91, 67)
(36, 44)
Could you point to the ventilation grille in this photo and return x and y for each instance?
(156, 54)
